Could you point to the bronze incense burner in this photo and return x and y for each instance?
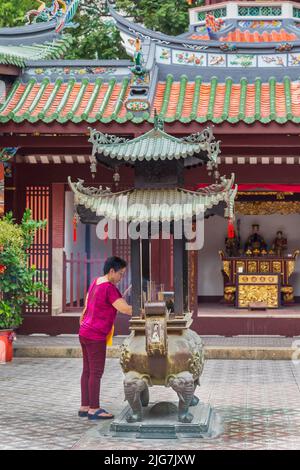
(161, 350)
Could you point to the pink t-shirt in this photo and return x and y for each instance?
(100, 313)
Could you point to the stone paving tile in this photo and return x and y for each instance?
(72, 340)
(259, 402)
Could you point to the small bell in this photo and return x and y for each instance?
(93, 168)
(216, 175)
(116, 177)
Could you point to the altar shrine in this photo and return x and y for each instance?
(259, 272)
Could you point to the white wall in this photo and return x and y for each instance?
(210, 280)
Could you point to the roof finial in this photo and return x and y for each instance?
(158, 122)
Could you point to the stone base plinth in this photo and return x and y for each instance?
(161, 422)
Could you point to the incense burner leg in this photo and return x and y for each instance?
(137, 395)
(195, 399)
(183, 385)
(145, 396)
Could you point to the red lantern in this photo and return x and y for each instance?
(230, 229)
(74, 229)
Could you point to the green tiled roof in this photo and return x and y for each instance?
(145, 205)
(154, 145)
(18, 55)
(90, 100)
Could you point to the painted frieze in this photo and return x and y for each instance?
(272, 60)
(216, 60)
(242, 60)
(163, 55)
(189, 58)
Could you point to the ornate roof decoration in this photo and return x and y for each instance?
(7, 153)
(247, 28)
(148, 205)
(40, 39)
(19, 55)
(63, 11)
(91, 190)
(211, 100)
(155, 145)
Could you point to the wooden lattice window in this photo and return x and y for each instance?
(38, 200)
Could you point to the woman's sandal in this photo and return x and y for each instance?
(82, 414)
(97, 415)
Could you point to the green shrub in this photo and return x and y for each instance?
(18, 284)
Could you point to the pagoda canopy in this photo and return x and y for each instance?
(148, 205)
(155, 145)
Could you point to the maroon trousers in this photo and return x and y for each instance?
(94, 354)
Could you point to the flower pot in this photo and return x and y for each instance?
(6, 345)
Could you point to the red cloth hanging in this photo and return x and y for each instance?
(230, 229)
(74, 229)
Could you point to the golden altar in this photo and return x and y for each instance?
(259, 267)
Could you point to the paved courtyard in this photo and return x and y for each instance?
(258, 400)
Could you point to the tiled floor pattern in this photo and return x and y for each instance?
(258, 400)
(72, 341)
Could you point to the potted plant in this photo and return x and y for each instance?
(18, 284)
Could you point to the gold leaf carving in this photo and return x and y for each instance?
(267, 207)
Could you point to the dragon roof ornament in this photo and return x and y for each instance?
(63, 11)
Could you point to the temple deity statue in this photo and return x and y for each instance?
(255, 242)
(279, 244)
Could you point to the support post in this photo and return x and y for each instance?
(185, 276)
(178, 276)
(145, 263)
(136, 276)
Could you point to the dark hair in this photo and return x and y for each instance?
(115, 263)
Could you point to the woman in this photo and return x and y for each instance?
(96, 322)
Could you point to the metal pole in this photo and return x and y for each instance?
(150, 270)
(141, 272)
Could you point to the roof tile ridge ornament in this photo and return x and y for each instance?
(89, 190)
(158, 122)
(138, 59)
(63, 11)
(7, 153)
(96, 138)
(212, 146)
(225, 185)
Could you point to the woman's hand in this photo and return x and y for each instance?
(84, 310)
(122, 306)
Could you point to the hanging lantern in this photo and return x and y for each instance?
(75, 222)
(230, 229)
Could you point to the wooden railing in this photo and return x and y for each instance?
(78, 273)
